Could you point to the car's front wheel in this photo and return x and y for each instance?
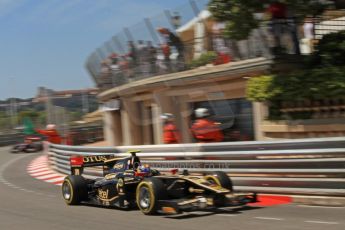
(148, 192)
(220, 178)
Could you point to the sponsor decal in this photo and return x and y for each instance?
(106, 203)
(120, 182)
(110, 176)
(94, 159)
(76, 171)
(103, 194)
(118, 166)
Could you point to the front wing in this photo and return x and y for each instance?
(176, 206)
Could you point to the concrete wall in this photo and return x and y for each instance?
(142, 102)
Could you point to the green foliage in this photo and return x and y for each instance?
(261, 88)
(31, 114)
(5, 123)
(204, 59)
(239, 14)
(75, 116)
(330, 51)
(314, 84)
(324, 79)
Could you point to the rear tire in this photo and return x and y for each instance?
(148, 193)
(221, 179)
(74, 189)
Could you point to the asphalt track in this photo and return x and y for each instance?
(27, 203)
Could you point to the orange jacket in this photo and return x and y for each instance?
(52, 136)
(205, 130)
(170, 134)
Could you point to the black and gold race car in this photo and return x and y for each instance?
(129, 184)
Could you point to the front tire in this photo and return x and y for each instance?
(148, 193)
(74, 189)
(220, 178)
(15, 149)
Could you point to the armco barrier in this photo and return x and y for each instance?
(304, 166)
(10, 139)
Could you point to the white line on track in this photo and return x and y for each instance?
(227, 215)
(267, 218)
(313, 206)
(320, 222)
(13, 186)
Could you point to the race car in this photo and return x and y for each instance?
(128, 184)
(31, 144)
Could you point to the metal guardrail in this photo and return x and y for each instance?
(304, 166)
(10, 139)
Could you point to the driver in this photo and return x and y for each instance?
(144, 169)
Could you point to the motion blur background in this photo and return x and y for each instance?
(266, 70)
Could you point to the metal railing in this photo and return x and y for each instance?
(136, 60)
(326, 25)
(305, 166)
(11, 139)
(86, 134)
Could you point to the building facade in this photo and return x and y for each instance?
(132, 114)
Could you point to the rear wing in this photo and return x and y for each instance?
(78, 163)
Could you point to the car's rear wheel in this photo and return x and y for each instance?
(74, 189)
(148, 193)
(220, 178)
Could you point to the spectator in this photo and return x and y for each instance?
(142, 58)
(218, 40)
(113, 58)
(152, 57)
(173, 40)
(105, 76)
(165, 50)
(51, 133)
(308, 32)
(170, 131)
(124, 68)
(277, 12)
(204, 129)
(132, 57)
(115, 69)
(105, 67)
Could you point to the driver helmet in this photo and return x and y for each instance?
(144, 168)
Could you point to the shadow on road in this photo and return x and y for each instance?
(233, 211)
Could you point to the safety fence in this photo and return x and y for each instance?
(143, 50)
(86, 134)
(304, 166)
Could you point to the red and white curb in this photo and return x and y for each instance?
(39, 169)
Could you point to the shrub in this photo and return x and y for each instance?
(204, 59)
(330, 51)
(314, 84)
(261, 89)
